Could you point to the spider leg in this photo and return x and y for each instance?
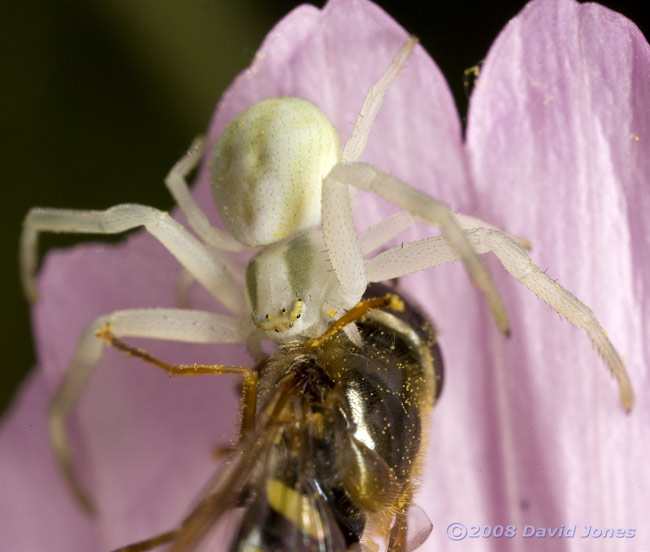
(372, 103)
(177, 184)
(343, 245)
(385, 230)
(420, 255)
(468, 222)
(184, 283)
(191, 253)
(189, 326)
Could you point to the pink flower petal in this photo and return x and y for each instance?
(558, 142)
(34, 512)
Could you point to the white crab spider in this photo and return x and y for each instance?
(277, 171)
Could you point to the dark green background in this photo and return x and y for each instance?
(99, 98)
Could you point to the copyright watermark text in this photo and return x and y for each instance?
(459, 531)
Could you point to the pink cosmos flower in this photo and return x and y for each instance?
(529, 431)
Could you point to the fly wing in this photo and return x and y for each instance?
(419, 527)
(266, 497)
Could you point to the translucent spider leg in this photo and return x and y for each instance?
(421, 255)
(335, 197)
(372, 103)
(468, 222)
(343, 245)
(167, 324)
(346, 254)
(191, 253)
(385, 230)
(177, 184)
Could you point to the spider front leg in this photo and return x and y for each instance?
(343, 245)
(191, 253)
(421, 255)
(345, 252)
(372, 103)
(188, 326)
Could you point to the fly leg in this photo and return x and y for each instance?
(250, 375)
(397, 541)
(249, 397)
(149, 544)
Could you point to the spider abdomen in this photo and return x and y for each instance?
(267, 169)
